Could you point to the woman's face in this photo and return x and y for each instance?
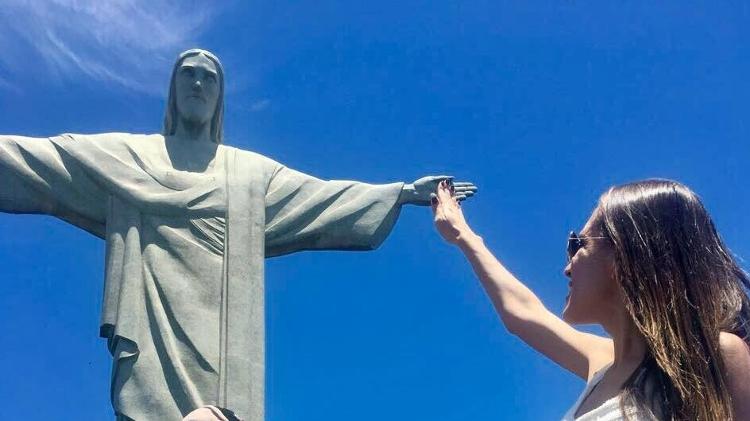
(592, 289)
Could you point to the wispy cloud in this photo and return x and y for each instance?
(260, 105)
(130, 43)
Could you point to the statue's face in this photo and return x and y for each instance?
(196, 89)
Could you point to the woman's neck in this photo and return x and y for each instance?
(630, 345)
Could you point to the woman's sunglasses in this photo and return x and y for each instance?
(576, 242)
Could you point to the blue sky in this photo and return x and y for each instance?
(542, 104)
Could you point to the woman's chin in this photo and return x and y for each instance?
(566, 313)
(566, 316)
(569, 313)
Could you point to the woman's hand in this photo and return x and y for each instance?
(449, 219)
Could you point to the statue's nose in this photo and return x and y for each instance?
(197, 85)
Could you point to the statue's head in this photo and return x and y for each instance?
(196, 93)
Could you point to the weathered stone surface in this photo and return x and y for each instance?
(187, 224)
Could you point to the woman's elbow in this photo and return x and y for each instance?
(516, 324)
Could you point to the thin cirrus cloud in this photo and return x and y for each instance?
(128, 43)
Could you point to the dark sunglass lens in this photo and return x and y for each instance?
(574, 243)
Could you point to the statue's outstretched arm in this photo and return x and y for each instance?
(306, 213)
(36, 176)
(421, 191)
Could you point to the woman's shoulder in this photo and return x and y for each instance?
(733, 349)
(735, 354)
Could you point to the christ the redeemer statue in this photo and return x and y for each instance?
(187, 224)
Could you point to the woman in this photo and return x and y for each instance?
(650, 268)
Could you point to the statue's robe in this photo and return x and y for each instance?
(183, 310)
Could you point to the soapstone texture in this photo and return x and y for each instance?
(187, 223)
(183, 310)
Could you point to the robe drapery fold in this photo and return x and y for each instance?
(183, 309)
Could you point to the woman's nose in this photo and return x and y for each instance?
(566, 271)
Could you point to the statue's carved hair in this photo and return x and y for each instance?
(682, 287)
(217, 120)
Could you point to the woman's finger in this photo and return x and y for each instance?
(443, 194)
(440, 178)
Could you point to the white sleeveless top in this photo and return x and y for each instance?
(608, 411)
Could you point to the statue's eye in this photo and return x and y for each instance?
(188, 71)
(210, 77)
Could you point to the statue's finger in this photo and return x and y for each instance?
(463, 183)
(465, 194)
(460, 187)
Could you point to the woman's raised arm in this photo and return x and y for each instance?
(521, 311)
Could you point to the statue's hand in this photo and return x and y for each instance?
(421, 191)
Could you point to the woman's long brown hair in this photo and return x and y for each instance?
(682, 287)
